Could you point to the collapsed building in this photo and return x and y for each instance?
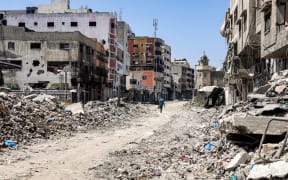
(256, 36)
(67, 61)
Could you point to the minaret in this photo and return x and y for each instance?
(204, 60)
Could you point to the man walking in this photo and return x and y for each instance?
(161, 104)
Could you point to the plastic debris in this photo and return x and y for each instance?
(10, 143)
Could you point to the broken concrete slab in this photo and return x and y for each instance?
(272, 170)
(269, 109)
(75, 108)
(44, 97)
(242, 123)
(240, 158)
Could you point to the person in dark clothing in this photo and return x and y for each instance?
(161, 104)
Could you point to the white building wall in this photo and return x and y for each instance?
(62, 23)
(30, 73)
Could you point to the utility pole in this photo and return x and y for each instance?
(155, 24)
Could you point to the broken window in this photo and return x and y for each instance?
(236, 14)
(92, 23)
(112, 25)
(133, 81)
(56, 67)
(74, 24)
(64, 45)
(240, 29)
(36, 63)
(4, 22)
(244, 22)
(282, 13)
(39, 85)
(11, 64)
(50, 24)
(158, 44)
(21, 24)
(267, 19)
(35, 45)
(11, 45)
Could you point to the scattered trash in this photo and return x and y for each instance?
(10, 143)
(209, 146)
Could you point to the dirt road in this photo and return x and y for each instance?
(71, 158)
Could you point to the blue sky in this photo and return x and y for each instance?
(188, 26)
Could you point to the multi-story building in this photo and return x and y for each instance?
(53, 60)
(274, 21)
(167, 92)
(147, 67)
(243, 64)
(123, 33)
(58, 17)
(183, 79)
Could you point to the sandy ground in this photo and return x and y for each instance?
(72, 158)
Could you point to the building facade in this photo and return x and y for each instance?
(183, 79)
(243, 62)
(167, 92)
(274, 33)
(58, 17)
(205, 75)
(53, 61)
(147, 67)
(124, 32)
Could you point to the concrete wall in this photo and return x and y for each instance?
(275, 39)
(62, 23)
(49, 52)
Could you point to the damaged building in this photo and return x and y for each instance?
(67, 61)
(256, 34)
(150, 75)
(209, 84)
(59, 17)
(243, 64)
(183, 79)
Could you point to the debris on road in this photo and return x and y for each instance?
(26, 119)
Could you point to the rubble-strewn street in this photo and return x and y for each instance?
(133, 142)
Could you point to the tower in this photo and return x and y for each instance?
(203, 72)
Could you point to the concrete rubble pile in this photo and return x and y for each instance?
(31, 117)
(195, 152)
(268, 102)
(244, 124)
(26, 119)
(102, 114)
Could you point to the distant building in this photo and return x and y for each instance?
(124, 32)
(55, 61)
(183, 79)
(205, 75)
(167, 92)
(147, 70)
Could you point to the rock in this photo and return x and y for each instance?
(240, 158)
(277, 170)
(75, 108)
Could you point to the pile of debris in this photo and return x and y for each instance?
(27, 119)
(31, 117)
(191, 153)
(261, 126)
